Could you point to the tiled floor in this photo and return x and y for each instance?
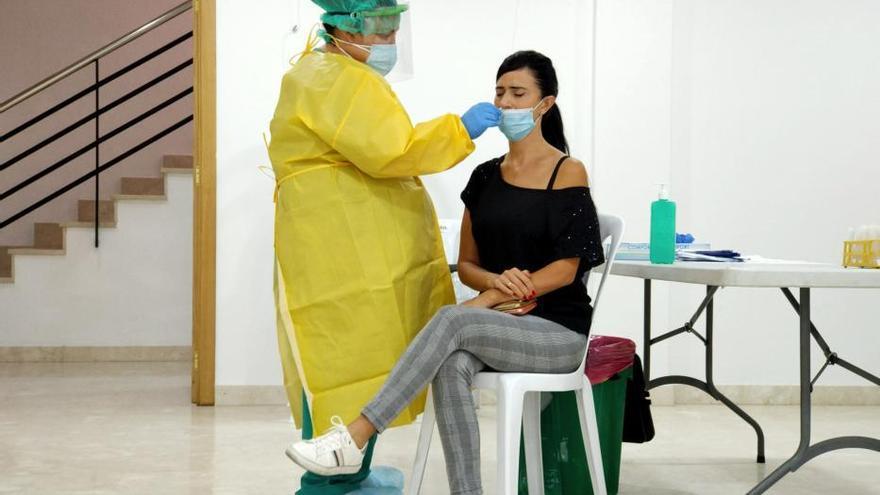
(129, 428)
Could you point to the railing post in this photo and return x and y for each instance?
(97, 151)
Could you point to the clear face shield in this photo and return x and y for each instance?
(383, 21)
(379, 21)
(404, 69)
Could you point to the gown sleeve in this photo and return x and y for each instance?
(361, 118)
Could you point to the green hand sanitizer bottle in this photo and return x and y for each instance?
(663, 229)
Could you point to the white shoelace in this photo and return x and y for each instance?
(334, 439)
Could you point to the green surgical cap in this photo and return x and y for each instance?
(362, 16)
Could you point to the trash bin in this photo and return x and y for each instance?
(609, 367)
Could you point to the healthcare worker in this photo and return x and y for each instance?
(360, 266)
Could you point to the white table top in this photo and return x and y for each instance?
(752, 274)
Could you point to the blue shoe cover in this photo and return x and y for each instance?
(383, 480)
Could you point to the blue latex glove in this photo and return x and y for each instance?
(684, 238)
(479, 118)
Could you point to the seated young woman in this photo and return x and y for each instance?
(529, 233)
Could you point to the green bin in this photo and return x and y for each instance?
(565, 461)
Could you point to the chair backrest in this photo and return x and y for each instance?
(611, 229)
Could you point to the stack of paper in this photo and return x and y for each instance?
(640, 251)
(706, 255)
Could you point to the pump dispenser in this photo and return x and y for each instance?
(663, 228)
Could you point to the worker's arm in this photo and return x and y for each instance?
(362, 119)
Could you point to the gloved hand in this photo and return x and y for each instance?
(479, 118)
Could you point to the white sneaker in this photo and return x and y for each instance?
(332, 453)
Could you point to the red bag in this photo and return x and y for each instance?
(608, 356)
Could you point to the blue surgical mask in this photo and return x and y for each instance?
(382, 58)
(517, 124)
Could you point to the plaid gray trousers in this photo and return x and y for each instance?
(454, 346)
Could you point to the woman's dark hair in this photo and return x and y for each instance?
(545, 75)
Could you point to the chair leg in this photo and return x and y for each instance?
(510, 409)
(426, 432)
(590, 433)
(532, 440)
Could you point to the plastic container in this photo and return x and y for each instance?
(609, 369)
(862, 254)
(662, 250)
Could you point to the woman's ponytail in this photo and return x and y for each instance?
(551, 129)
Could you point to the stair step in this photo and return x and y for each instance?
(48, 236)
(107, 211)
(37, 251)
(143, 186)
(5, 262)
(177, 171)
(177, 162)
(88, 225)
(141, 197)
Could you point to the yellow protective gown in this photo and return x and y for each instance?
(360, 263)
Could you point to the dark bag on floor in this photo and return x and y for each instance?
(638, 426)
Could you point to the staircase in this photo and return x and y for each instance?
(48, 161)
(49, 237)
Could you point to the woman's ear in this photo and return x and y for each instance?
(545, 105)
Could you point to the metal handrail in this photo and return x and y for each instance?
(101, 111)
(89, 59)
(94, 87)
(98, 141)
(96, 172)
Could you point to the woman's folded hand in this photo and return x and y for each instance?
(487, 299)
(515, 283)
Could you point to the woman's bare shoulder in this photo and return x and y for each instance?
(572, 173)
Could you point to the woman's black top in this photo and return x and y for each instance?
(517, 227)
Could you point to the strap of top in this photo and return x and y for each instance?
(556, 171)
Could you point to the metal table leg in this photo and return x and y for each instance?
(805, 451)
(707, 386)
(717, 395)
(646, 351)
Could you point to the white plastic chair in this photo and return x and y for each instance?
(519, 402)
